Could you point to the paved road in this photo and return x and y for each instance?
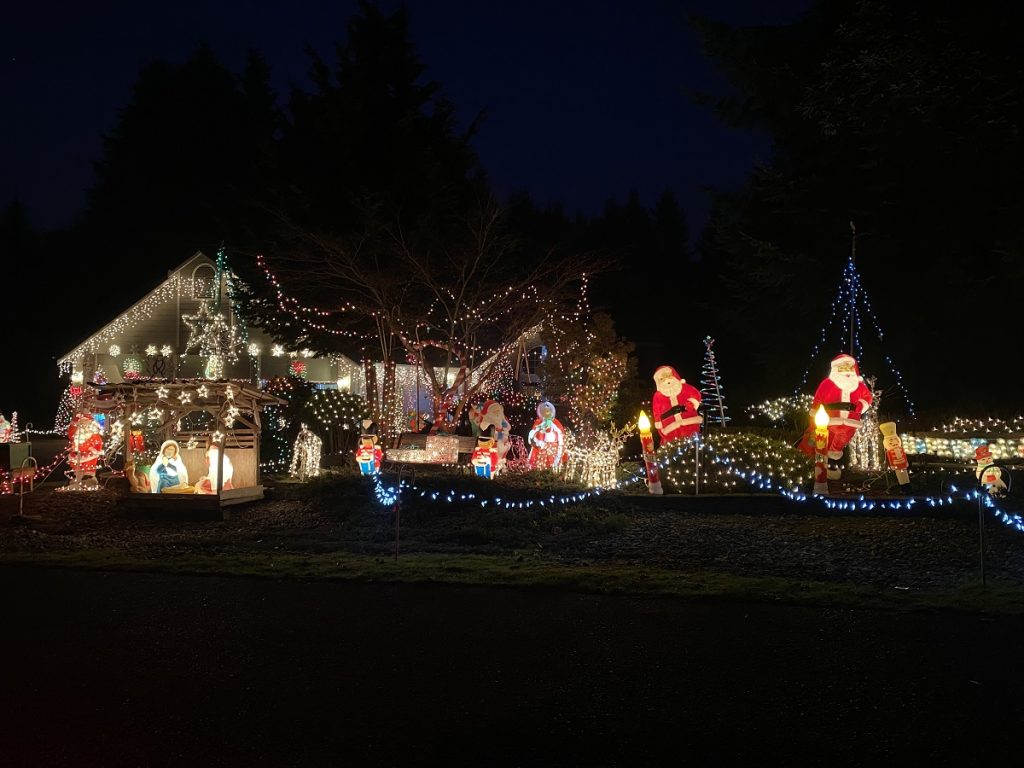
(142, 669)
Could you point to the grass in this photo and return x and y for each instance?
(534, 571)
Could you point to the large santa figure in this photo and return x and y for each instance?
(85, 450)
(675, 406)
(846, 398)
(492, 414)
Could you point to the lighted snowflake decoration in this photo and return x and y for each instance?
(114, 350)
(254, 349)
(307, 353)
(184, 397)
(166, 350)
(277, 350)
(136, 418)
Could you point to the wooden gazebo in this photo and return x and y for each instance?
(197, 414)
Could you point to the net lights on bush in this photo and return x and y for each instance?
(962, 449)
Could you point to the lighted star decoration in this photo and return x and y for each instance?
(151, 349)
(231, 415)
(210, 334)
(192, 443)
(136, 419)
(203, 391)
(277, 350)
(217, 437)
(229, 392)
(184, 397)
(166, 350)
(155, 414)
(307, 353)
(162, 392)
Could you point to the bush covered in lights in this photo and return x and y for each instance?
(330, 411)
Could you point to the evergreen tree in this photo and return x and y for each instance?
(899, 116)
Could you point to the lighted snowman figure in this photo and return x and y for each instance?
(987, 473)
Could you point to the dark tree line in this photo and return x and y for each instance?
(903, 117)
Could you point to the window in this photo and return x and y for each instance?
(202, 282)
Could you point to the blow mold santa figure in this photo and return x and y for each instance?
(492, 415)
(675, 406)
(846, 398)
(85, 450)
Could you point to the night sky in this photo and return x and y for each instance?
(584, 101)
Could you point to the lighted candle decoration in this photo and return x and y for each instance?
(820, 444)
(894, 452)
(650, 459)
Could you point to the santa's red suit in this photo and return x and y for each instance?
(675, 405)
(86, 445)
(846, 397)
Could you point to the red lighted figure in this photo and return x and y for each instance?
(846, 398)
(675, 406)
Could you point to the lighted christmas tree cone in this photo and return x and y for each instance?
(820, 447)
(650, 457)
(894, 452)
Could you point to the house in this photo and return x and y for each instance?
(158, 337)
(186, 328)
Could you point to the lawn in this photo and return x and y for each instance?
(740, 546)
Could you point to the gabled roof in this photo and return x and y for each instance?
(139, 309)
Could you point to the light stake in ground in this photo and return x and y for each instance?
(650, 457)
(820, 445)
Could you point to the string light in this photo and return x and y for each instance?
(306, 454)
(851, 298)
(712, 399)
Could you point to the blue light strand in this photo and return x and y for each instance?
(851, 295)
(388, 496)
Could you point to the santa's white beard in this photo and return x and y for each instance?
(670, 387)
(845, 380)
